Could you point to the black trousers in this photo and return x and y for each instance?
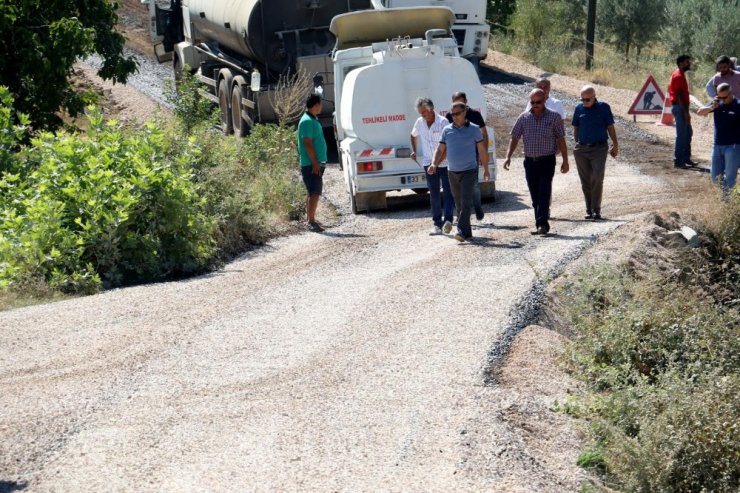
(539, 173)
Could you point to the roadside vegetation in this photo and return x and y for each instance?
(118, 205)
(658, 352)
(634, 38)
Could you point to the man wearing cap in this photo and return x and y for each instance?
(544, 134)
(459, 142)
(592, 121)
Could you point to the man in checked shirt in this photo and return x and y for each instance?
(543, 134)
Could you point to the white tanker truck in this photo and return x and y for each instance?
(384, 60)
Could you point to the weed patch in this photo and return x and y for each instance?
(660, 355)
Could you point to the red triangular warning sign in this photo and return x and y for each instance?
(650, 100)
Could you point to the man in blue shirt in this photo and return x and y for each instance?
(592, 121)
(312, 153)
(726, 149)
(458, 144)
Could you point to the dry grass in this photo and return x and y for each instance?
(610, 67)
(289, 97)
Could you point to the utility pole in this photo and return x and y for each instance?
(590, 31)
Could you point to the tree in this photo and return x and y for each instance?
(544, 25)
(700, 28)
(630, 23)
(499, 12)
(40, 40)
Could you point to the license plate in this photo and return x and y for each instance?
(413, 179)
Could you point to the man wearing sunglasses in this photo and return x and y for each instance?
(544, 134)
(552, 104)
(726, 150)
(592, 121)
(475, 117)
(459, 143)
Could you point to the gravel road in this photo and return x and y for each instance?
(354, 360)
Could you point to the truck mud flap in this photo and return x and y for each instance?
(370, 201)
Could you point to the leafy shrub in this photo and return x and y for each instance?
(127, 205)
(105, 209)
(11, 133)
(662, 366)
(252, 185)
(188, 104)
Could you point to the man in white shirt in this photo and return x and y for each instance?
(551, 104)
(428, 128)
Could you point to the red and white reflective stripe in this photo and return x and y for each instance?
(371, 153)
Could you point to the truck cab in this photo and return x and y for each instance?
(383, 62)
(470, 29)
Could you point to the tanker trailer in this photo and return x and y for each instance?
(384, 60)
(239, 50)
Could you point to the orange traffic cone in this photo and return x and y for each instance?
(666, 118)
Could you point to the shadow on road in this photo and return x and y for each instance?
(11, 486)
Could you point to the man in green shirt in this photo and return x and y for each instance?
(312, 153)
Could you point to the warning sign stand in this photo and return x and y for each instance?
(650, 100)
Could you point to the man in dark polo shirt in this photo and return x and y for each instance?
(459, 142)
(726, 149)
(592, 121)
(475, 117)
(543, 134)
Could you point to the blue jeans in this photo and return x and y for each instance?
(433, 183)
(725, 162)
(684, 132)
(463, 189)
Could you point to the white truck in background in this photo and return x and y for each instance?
(470, 27)
(384, 60)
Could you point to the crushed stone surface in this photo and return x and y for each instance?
(354, 360)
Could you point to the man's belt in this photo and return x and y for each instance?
(596, 144)
(539, 158)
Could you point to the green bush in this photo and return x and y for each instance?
(104, 209)
(188, 104)
(127, 205)
(662, 368)
(11, 133)
(251, 186)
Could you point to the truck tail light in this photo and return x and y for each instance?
(369, 166)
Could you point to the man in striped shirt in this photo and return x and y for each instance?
(544, 135)
(428, 129)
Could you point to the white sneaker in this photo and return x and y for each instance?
(447, 227)
(436, 230)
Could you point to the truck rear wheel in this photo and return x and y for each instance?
(241, 125)
(227, 127)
